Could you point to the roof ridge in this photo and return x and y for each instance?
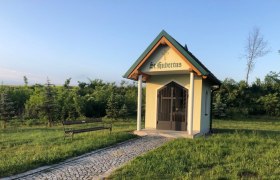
(186, 53)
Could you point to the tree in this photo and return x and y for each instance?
(68, 101)
(219, 107)
(271, 104)
(6, 108)
(114, 105)
(130, 98)
(19, 96)
(33, 106)
(67, 83)
(123, 113)
(25, 80)
(255, 48)
(49, 105)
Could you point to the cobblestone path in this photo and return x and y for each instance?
(99, 163)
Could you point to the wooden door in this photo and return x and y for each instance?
(179, 111)
(172, 107)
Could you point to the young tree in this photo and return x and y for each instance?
(33, 106)
(25, 80)
(66, 84)
(68, 101)
(6, 108)
(123, 113)
(114, 105)
(19, 96)
(219, 107)
(49, 105)
(255, 48)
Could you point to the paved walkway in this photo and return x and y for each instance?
(97, 164)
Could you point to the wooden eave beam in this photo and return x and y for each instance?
(163, 41)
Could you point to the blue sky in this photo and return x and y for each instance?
(101, 39)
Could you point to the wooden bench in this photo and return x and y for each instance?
(70, 129)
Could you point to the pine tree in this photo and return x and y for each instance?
(49, 105)
(6, 108)
(219, 107)
(123, 112)
(111, 110)
(114, 105)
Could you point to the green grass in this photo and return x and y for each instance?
(25, 148)
(239, 149)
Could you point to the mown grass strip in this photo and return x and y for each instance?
(238, 150)
(26, 148)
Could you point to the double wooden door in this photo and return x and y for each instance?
(172, 107)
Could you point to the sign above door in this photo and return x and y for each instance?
(165, 59)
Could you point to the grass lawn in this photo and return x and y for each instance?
(25, 148)
(239, 149)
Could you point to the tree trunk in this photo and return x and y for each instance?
(247, 76)
(49, 124)
(4, 124)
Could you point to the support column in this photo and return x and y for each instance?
(191, 104)
(139, 103)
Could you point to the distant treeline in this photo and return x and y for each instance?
(58, 103)
(239, 99)
(96, 98)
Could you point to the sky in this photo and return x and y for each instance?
(101, 39)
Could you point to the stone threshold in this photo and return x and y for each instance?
(168, 133)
